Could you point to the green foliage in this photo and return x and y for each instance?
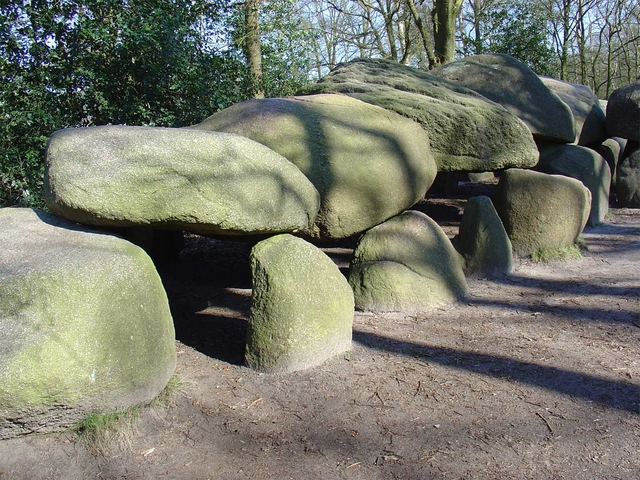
(517, 28)
(66, 63)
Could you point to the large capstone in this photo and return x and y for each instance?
(204, 182)
(541, 211)
(588, 115)
(368, 163)
(468, 132)
(406, 264)
(85, 324)
(515, 86)
(301, 307)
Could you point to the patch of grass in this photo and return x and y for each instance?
(102, 430)
(556, 254)
(175, 386)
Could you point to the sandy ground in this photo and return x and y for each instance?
(534, 376)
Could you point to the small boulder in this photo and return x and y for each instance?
(589, 117)
(467, 132)
(301, 307)
(85, 324)
(540, 210)
(406, 264)
(583, 164)
(628, 177)
(483, 241)
(611, 151)
(171, 178)
(368, 164)
(623, 112)
(516, 87)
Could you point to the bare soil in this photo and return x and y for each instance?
(535, 376)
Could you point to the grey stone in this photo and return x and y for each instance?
(204, 182)
(628, 177)
(539, 210)
(589, 117)
(302, 307)
(516, 87)
(623, 112)
(406, 264)
(483, 241)
(467, 131)
(583, 164)
(368, 163)
(85, 323)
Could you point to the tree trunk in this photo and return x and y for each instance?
(444, 16)
(252, 49)
(424, 34)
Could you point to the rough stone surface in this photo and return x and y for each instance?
(205, 182)
(512, 84)
(611, 151)
(628, 177)
(406, 264)
(368, 164)
(539, 210)
(588, 115)
(585, 165)
(85, 324)
(467, 132)
(623, 112)
(302, 307)
(483, 241)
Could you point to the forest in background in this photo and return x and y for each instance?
(66, 63)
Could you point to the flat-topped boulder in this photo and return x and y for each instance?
(204, 182)
(85, 322)
(541, 211)
(623, 112)
(467, 132)
(583, 164)
(589, 117)
(368, 163)
(516, 87)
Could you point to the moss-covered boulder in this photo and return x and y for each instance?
(628, 177)
(516, 87)
(301, 307)
(467, 132)
(583, 164)
(85, 324)
(611, 150)
(406, 264)
(541, 211)
(589, 117)
(368, 164)
(623, 112)
(204, 182)
(483, 241)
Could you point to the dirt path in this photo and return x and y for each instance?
(536, 376)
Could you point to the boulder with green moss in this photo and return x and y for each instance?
(467, 131)
(301, 307)
(583, 164)
(368, 164)
(483, 241)
(170, 178)
(85, 324)
(406, 264)
(539, 210)
(516, 87)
